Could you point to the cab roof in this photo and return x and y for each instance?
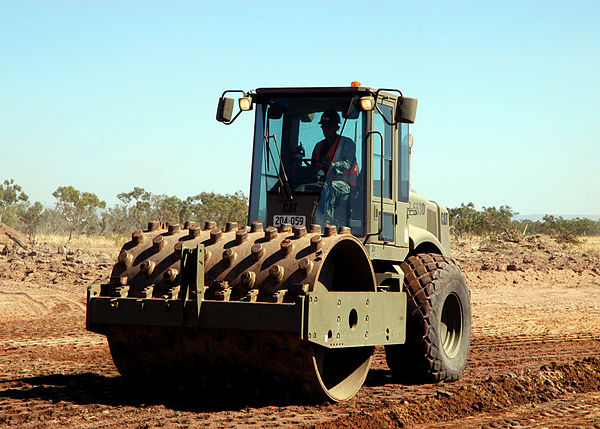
(316, 90)
(321, 91)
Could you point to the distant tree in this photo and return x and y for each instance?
(116, 219)
(466, 219)
(491, 222)
(579, 226)
(137, 206)
(499, 222)
(167, 208)
(31, 218)
(78, 208)
(560, 227)
(217, 207)
(52, 221)
(11, 195)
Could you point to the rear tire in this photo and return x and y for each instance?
(438, 327)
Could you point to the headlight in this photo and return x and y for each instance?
(245, 103)
(367, 103)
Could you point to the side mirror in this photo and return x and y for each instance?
(407, 111)
(225, 109)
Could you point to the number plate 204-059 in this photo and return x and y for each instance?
(291, 219)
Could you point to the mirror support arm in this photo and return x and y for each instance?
(396, 120)
(238, 113)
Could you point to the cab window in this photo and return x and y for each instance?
(386, 130)
(403, 154)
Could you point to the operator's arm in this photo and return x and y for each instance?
(347, 156)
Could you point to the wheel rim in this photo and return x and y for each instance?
(451, 325)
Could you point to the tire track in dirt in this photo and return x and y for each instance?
(108, 401)
(62, 345)
(37, 302)
(53, 342)
(498, 353)
(498, 394)
(36, 306)
(579, 410)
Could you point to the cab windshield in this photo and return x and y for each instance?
(309, 151)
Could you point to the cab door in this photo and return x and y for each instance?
(383, 184)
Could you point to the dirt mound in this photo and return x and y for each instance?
(537, 252)
(44, 264)
(10, 236)
(41, 282)
(494, 394)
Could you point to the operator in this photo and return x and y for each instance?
(335, 155)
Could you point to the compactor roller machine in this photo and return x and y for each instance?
(340, 256)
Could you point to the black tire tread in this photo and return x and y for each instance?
(418, 359)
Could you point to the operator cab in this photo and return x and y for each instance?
(311, 151)
(293, 179)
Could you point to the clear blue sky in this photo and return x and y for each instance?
(106, 96)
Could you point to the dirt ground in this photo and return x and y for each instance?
(534, 359)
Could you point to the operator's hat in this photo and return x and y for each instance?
(330, 117)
